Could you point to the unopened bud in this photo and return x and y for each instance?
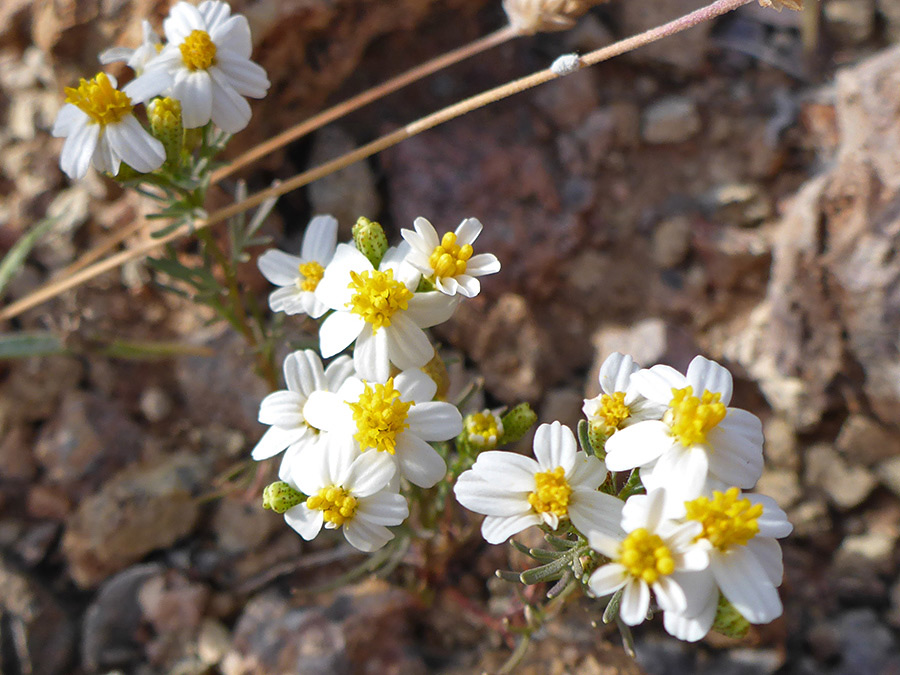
(370, 239)
(165, 123)
(729, 621)
(795, 5)
(516, 423)
(280, 497)
(598, 433)
(528, 17)
(483, 430)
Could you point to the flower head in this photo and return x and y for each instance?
(396, 419)
(796, 5)
(347, 490)
(532, 16)
(206, 66)
(99, 126)
(284, 410)
(483, 429)
(516, 492)
(449, 262)
(647, 557)
(298, 277)
(380, 310)
(698, 438)
(137, 58)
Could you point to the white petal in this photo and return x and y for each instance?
(705, 375)
(320, 239)
(307, 522)
(104, 159)
(607, 579)
(737, 443)
(644, 511)
(152, 82)
(303, 372)
(435, 421)
(273, 441)
(447, 285)
(183, 18)
(512, 471)
(244, 76)
(497, 529)
(419, 463)
(365, 535)
(334, 288)
(214, 13)
(554, 445)
(69, 118)
(768, 552)
(327, 411)
(279, 268)
(700, 590)
(482, 264)
(669, 595)
(234, 35)
(430, 309)
(587, 472)
(467, 231)
(616, 371)
(115, 54)
(194, 91)
(384, 508)
(370, 355)
(692, 626)
(337, 372)
(746, 584)
(415, 385)
(338, 331)
(369, 473)
(468, 286)
(283, 409)
(683, 470)
(605, 544)
(592, 511)
(407, 345)
(635, 602)
(230, 111)
(288, 299)
(426, 231)
(657, 383)
(637, 445)
(135, 146)
(78, 150)
(490, 498)
(773, 522)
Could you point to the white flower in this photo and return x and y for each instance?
(380, 310)
(619, 404)
(740, 532)
(285, 410)
(397, 418)
(298, 277)
(137, 58)
(349, 490)
(647, 558)
(99, 126)
(206, 65)
(516, 492)
(448, 262)
(699, 437)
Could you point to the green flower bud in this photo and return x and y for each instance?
(516, 423)
(280, 497)
(598, 433)
(729, 621)
(370, 239)
(165, 123)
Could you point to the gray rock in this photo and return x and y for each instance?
(781, 444)
(863, 440)
(783, 485)
(810, 519)
(672, 241)
(671, 120)
(866, 554)
(850, 21)
(846, 486)
(867, 645)
(889, 474)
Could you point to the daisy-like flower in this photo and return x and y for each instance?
(285, 410)
(99, 126)
(206, 66)
(647, 558)
(298, 277)
(740, 532)
(396, 418)
(137, 58)
(516, 492)
(699, 437)
(349, 490)
(619, 404)
(483, 429)
(449, 262)
(380, 310)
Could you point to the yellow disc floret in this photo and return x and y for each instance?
(380, 416)
(484, 429)
(727, 521)
(97, 98)
(312, 273)
(551, 492)
(692, 418)
(613, 409)
(377, 296)
(338, 505)
(449, 259)
(198, 51)
(646, 556)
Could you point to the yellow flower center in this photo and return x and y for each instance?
(727, 521)
(484, 429)
(312, 273)
(551, 492)
(449, 258)
(198, 51)
(338, 505)
(380, 415)
(646, 557)
(97, 98)
(692, 418)
(613, 409)
(377, 296)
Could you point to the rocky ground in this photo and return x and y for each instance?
(735, 193)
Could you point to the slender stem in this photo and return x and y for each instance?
(54, 288)
(356, 102)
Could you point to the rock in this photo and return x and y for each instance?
(671, 120)
(782, 485)
(672, 241)
(744, 662)
(32, 391)
(864, 441)
(36, 634)
(174, 606)
(16, 454)
(846, 486)
(685, 51)
(866, 554)
(156, 404)
(890, 12)
(113, 620)
(240, 527)
(780, 447)
(850, 21)
(867, 645)
(889, 473)
(738, 204)
(569, 100)
(811, 519)
(140, 509)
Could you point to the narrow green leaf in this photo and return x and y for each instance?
(14, 260)
(21, 345)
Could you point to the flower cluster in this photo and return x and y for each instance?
(679, 535)
(358, 432)
(201, 73)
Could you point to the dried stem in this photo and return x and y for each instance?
(54, 288)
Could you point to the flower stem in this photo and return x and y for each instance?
(54, 288)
